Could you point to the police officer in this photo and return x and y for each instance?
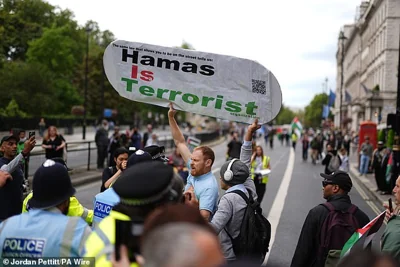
(141, 189)
(156, 152)
(75, 207)
(45, 231)
(104, 201)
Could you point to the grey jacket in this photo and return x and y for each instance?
(231, 208)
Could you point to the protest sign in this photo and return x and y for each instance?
(193, 142)
(214, 85)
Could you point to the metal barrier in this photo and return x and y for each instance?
(79, 153)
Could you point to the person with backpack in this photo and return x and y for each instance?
(237, 215)
(332, 160)
(328, 226)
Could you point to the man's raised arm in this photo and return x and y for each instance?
(177, 135)
(246, 151)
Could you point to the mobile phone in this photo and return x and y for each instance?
(31, 134)
(390, 205)
(128, 233)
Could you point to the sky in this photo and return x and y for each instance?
(296, 40)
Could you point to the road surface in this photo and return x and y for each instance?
(294, 188)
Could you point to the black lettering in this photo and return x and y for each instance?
(147, 61)
(207, 70)
(134, 56)
(168, 63)
(189, 67)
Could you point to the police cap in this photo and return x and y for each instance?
(51, 185)
(144, 183)
(156, 152)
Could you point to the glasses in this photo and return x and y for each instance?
(325, 183)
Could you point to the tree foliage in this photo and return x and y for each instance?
(12, 110)
(285, 116)
(313, 111)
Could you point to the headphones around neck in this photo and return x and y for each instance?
(228, 174)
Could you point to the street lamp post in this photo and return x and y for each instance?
(342, 38)
(88, 30)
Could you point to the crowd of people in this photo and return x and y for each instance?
(332, 149)
(147, 214)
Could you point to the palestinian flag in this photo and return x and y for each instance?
(362, 237)
(296, 127)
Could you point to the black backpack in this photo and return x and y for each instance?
(255, 231)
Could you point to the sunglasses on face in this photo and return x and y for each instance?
(325, 183)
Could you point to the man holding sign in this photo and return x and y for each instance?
(200, 180)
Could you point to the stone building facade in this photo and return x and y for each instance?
(370, 60)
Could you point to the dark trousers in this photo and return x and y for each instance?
(101, 156)
(380, 180)
(271, 142)
(305, 153)
(260, 188)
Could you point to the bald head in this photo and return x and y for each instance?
(183, 245)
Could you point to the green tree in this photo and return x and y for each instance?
(59, 48)
(30, 84)
(22, 21)
(12, 110)
(285, 116)
(313, 111)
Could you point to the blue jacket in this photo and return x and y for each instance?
(103, 204)
(43, 233)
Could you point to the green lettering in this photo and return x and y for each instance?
(205, 100)
(160, 92)
(146, 90)
(233, 106)
(195, 98)
(129, 83)
(218, 102)
(250, 108)
(173, 94)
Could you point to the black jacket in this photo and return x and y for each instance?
(306, 254)
(327, 160)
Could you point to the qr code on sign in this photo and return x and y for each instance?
(258, 86)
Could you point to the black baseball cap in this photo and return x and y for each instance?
(8, 137)
(340, 178)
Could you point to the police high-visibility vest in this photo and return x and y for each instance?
(265, 163)
(43, 233)
(294, 137)
(100, 244)
(75, 209)
(103, 204)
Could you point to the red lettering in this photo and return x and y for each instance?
(134, 72)
(146, 75)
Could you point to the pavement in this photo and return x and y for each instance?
(369, 185)
(366, 183)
